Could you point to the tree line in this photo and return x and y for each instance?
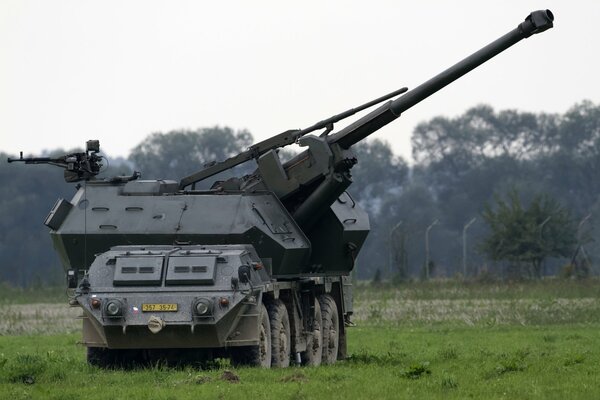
(508, 193)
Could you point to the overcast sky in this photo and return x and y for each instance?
(119, 70)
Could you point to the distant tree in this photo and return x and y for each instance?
(378, 176)
(528, 235)
(572, 170)
(176, 154)
(481, 133)
(379, 172)
(467, 158)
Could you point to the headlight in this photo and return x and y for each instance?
(113, 308)
(96, 303)
(202, 307)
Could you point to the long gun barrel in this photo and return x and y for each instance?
(37, 160)
(536, 22)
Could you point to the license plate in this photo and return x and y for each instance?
(159, 307)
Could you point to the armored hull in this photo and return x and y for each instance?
(164, 284)
(102, 215)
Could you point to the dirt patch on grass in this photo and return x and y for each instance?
(230, 376)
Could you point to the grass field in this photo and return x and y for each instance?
(437, 340)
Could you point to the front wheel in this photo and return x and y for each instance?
(260, 355)
(280, 334)
(330, 326)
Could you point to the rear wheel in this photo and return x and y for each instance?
(330, 324)
(314, 344)
(280, 334)
(260, 355)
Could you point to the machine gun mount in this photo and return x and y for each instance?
(78, 166)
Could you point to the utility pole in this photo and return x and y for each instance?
(583, 221)
(427, 248)
(464, 240)
(542, 228)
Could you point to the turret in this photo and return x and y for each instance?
(310, 182)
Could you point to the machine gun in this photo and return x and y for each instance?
(314, 179)
(78, 166)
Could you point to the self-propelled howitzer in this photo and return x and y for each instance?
(256, 267)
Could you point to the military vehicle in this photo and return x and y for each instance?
(254, 268)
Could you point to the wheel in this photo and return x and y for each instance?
(314, 344)
(260, 355)
(330, 324)
(280, 334)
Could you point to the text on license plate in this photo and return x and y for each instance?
(159, 307)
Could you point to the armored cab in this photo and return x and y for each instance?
(256, 268)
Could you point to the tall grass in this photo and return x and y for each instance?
(33, 294)
(467, 303)
(451, 289)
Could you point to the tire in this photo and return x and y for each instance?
(280, 334)
(330, 327)
(314, 344)
(260, 355)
